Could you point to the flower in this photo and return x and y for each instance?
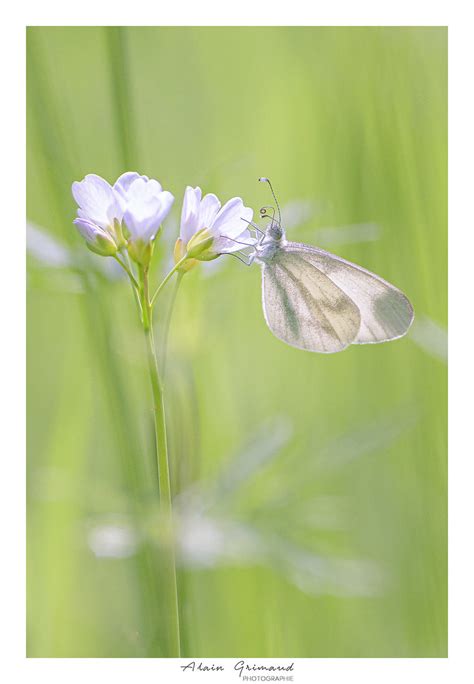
(98, 240)
(208, 230)
(100, 214)
(147, 205)
(129, 213)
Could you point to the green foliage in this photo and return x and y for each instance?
(317, 526)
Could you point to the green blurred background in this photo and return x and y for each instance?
(310, 490)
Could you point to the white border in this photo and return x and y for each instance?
(242, 13)
(459, 664)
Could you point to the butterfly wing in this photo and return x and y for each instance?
(305, 308)
(385, 312)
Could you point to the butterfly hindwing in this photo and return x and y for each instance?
(385, 312)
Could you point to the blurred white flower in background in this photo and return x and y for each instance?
(213, 530)
(431, 337)
(113, 540)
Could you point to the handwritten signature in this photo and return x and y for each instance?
(241, 667)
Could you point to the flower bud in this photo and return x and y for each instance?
(97, 240)
(199, 244)
(208, 256)
(179, 254)
(104, 246)
(140, 251)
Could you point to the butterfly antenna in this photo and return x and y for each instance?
(263, 213)
(267, 180)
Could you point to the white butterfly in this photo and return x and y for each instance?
(316, 301)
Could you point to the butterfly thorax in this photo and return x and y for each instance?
(270, 242)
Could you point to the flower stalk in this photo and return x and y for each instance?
(175, 268)
(127, 271)
(162, 460)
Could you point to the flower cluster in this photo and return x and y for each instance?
(128, 216)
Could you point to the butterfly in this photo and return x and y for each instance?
(319, 302)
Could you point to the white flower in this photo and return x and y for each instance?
(99, 215)
(97, 239)
(147, 205)
(133, 208)
(207, 229)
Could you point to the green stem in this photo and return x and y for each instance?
(164, 343)
(166, 278)
(127, 271)
(163, 471)
(146, 306)
(127, 267)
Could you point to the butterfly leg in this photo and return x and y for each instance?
(245, 259)
(254, 226)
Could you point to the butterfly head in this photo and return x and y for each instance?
(274, 234)
(271, 239)
(274, 230)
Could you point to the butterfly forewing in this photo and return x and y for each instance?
(385, 312)
(304, 307)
